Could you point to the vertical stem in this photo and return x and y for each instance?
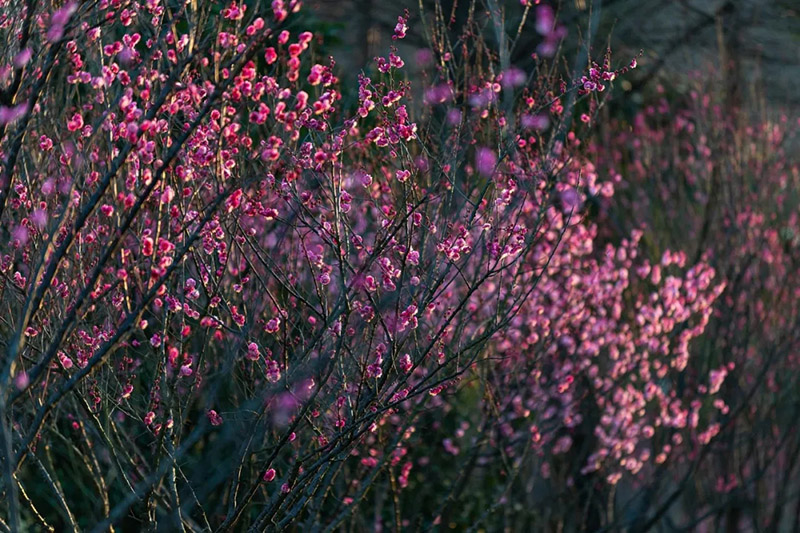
(12, 496)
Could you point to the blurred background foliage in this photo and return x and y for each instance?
(755, 42)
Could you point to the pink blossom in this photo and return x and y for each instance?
(75, 123)
(485, 161)
(400, 28)
(214, 418)
(23, 57)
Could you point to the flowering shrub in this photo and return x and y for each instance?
(233, 301)
(698, 172)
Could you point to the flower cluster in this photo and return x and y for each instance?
(220, 255)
